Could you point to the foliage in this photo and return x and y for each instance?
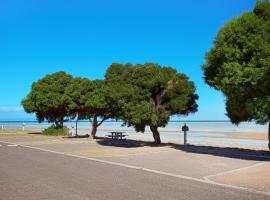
(149, 94)
(47, 98)
(90, 100)
(141, 95)
(239, 65)
(56, 131)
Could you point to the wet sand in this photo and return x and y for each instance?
(216, 134)
(175, 136)
(242, 135)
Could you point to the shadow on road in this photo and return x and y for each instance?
(78, 136)
(229, 152)
(126, 143)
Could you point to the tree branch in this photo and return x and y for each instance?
(101, 121)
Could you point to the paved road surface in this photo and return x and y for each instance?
(38, 175)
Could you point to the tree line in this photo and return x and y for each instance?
(140, 95)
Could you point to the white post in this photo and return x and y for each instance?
(23, 126)
(2, 127)
(76, 130)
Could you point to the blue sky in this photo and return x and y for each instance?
(84, 37)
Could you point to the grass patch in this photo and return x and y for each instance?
(54, 131)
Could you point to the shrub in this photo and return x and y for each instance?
(55, 131)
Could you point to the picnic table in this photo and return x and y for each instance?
(117, 135)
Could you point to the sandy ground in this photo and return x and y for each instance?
(260, 136)
(163, 131)
(218, 134)
(243, 135)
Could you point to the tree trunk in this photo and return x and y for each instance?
(56, 124)
(59, 124)
(155, 132)
(269, 135)
(94, 127)
(62, 123)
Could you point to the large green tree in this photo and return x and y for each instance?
(90, 99)
(239, 65)
(150, 94)
(47, 98)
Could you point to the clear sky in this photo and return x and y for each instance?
(83, 37)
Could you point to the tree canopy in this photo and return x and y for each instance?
(239, 65)
(48, 100)
(90, 99)
(151, 94)
(140, 95)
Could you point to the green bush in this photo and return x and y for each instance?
(55, 131)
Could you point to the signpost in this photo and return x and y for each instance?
(185, 129)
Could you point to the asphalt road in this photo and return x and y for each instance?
(37, 175)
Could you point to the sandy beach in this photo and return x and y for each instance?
(243, 135)
(247, 135)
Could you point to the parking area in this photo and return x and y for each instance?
(247, 169)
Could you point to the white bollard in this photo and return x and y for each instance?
(23, 126)
(72, 131)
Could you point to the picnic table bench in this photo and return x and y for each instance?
(117, 135)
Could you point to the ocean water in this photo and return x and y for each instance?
(203, 131)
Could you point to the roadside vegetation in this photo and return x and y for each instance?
(56, 131)
(140, 95)
(239, 66)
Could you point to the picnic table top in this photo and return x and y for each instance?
(117, 135)
(117, 132)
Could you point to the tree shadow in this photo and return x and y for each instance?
(34, 133)
(227, 152)
(78, 136)
(126, 143)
